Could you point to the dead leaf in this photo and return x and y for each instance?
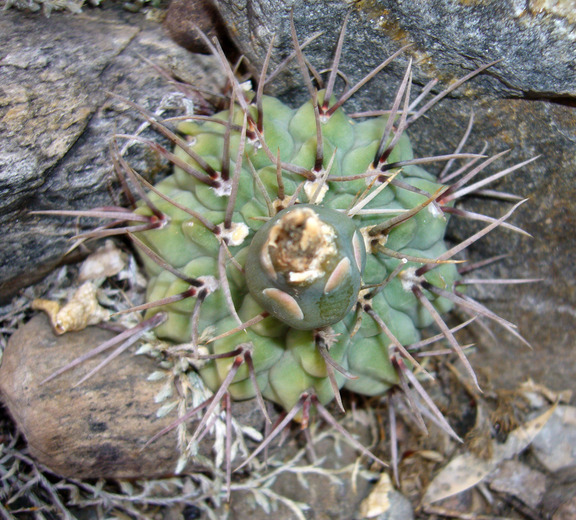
(467, 470)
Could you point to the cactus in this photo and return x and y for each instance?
(299, 251)
(307, 266)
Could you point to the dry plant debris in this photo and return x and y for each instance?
(82, 310)
(468, 470)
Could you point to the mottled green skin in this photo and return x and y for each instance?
(286, 359)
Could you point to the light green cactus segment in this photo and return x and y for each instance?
(269, 327)
(286, 357)
(266, 351)
(288, 381)
(370, 362)
(310, 360)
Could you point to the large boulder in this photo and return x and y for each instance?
(533, 41)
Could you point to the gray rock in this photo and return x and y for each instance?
(544, 311)
(567, 511)
(555, 445)
(533, 40)
(560, 500)
(56, 121)
(518, 479)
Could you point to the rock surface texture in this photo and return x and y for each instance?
(57, 119)
(524, 103)
(97, 429)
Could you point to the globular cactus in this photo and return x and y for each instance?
(299, 251)
(311, 255)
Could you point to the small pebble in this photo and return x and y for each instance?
(555, 445)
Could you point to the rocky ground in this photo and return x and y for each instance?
(516, 462)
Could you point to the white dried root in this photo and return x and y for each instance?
(82, 310)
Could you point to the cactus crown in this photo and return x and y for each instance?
(300, 251)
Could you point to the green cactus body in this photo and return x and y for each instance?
(306, 258)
